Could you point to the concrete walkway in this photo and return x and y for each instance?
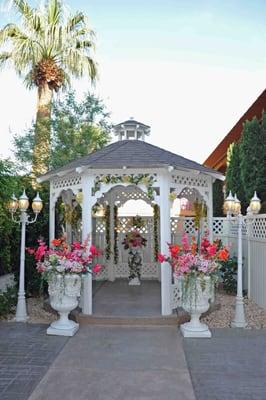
(119, 363)
(118, 299)
(26, 353)
(230, 366)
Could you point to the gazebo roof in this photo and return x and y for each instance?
(131, 154)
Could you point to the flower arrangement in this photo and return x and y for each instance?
(191, 261)
(63, 258)
(134, 239)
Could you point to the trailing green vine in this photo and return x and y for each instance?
(116, 253)
(156, 216)
(107, 232)
(144, 179)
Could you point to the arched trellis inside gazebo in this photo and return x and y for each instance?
(131, 169)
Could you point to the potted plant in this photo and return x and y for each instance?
(196, 266)
(62, 267)
(133, 242)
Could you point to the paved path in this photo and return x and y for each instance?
(26, 353)
(119, 363)
(230, 366)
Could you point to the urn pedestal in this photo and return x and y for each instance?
(64, 291)
(195, 300)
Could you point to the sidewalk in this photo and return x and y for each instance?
(230, 366)
(26, 353)
(119, 363)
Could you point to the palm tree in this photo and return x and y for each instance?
(48, 48)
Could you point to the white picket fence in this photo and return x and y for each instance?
(254, 250)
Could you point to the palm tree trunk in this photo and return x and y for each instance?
(41, 150)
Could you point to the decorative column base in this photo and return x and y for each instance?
(199, 331)
(134, 282)
(239, 320)
(59, 329)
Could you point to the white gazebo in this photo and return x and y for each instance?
(129, 169)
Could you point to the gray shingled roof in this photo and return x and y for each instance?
(132, 154)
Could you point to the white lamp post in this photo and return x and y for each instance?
(232, 206)
(23, 204)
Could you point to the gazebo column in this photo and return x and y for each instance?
(165, 229)
(210, 212)
(51, 218)
(87, 182)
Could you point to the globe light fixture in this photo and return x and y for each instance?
(23, 202)
(37, 204)
(229, 203)
(255, 204)
(13, 204)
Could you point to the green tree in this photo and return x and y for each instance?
(253, 159)
(48, 47)
(218, 198)
(9, 232)
(233, 174)
(77, 129)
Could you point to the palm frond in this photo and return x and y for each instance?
(74, 21)
(54, 12)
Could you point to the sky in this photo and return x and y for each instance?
(187, 68)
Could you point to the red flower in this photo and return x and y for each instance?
(94, 251)
(223, 255)
(97, 268)
(174, 250)
(76, 246)
(161, 258)
(56, 242)
(211, 250)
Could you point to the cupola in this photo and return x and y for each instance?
(131, 130)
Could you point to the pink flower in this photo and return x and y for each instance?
(97, 268)
(161, 258)
(94, 251)
(184, 242)
(211, 250)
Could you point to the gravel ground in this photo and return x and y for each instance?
(221, 318)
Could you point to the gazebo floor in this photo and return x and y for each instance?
(117, 303)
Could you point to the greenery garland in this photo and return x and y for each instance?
(116, 253)
(144, 179)
(107, 233)
(156, 216)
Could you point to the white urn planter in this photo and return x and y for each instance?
(195, 300)
(64, 291)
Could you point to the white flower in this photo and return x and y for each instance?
(60, 268)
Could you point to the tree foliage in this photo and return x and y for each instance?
(47, 48)
(218, 198)
(253, 159)
(233, 174)
(246, 171)
(78, 128)
(9, 232)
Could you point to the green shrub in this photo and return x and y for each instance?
(8, 301)
(229, 275)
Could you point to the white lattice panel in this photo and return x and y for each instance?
(218, 226)
(67, 181)
(100, 225)
(190, 181)
(176, 295)
(121, 270)
(259, 227)
(148, 271)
